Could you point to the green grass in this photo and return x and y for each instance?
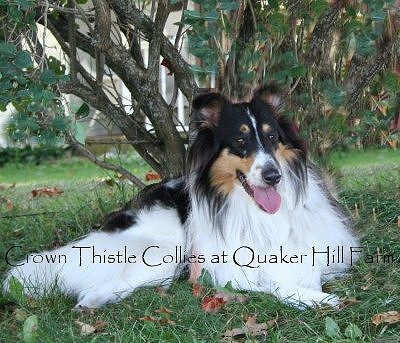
(365, 178)
(72, 168)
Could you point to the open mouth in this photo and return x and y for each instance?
(267, 198)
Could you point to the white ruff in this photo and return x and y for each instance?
(295, 229)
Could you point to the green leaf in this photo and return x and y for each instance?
(23, 60)
(25, 4)
(353, 331)
(319, 6)
(56, 66)
(297, 71)
(391, 82)
(80, 132)
(229, 5)
(205, 279)
(83, 111)
(212, 15)
(48, 76)
(60, 123)
(29, 330)
(15, 13)
(16, 290)
(365, 46)
(274, 4)
(193, 14)
(278, 22)
(7, 49)
(332, 330)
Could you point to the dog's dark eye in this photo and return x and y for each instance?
(272, 137)
(240, 141)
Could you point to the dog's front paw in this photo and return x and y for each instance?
(304, 297)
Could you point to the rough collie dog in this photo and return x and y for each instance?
(252, 210)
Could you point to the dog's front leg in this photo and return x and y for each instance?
(195, 270)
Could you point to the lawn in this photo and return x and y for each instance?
(370, 189)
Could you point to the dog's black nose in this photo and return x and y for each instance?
(271, 176)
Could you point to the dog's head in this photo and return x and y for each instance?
(248, 145)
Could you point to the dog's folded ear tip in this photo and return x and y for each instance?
(208, 107)
(269, 93)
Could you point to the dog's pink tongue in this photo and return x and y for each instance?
(268, 198)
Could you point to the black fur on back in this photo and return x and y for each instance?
(169, 194)
(172, 194)
(119, 220)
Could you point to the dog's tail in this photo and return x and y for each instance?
(106, 266)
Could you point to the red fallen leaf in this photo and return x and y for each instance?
(46, 191)
(232, 297)
(168, 65)
(198, 290)
(151, 176)
(212, 304)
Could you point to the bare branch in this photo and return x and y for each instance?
(106, 165)
(369, 71)
(183, 74)
(153, 67)
(72, 40)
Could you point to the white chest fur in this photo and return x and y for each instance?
(301, 245)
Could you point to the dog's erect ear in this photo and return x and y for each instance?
(207, 109)
(270, 95)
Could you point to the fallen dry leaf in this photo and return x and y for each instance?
(232, 297)
(349, 302)
(149, 319)
(46, 191)
(100, 325)
(151, 176)
(166, 321)
(389, 317)
(163, 310)
(212, 304)
(198, 290)
(251, 327)
(86, 329)
(10, 205)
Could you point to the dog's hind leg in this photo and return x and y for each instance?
(111, 292)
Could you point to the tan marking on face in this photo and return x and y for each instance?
(285, 153)
(223, 171)
(244, 128)
(266, 128)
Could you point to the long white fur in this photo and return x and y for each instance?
(296, 227)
